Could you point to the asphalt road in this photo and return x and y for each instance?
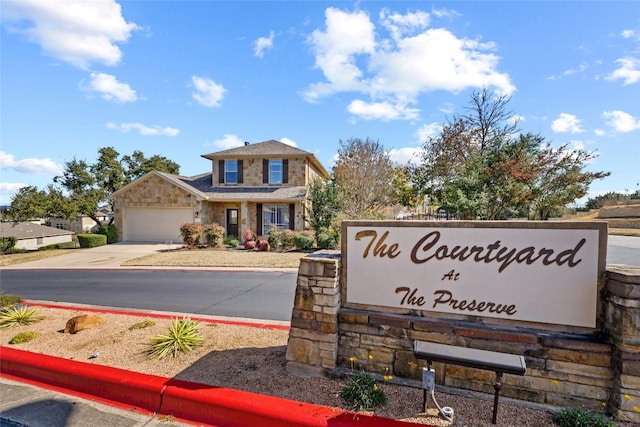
(255, 295)
(623, 250)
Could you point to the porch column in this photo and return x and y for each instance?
(244, 222)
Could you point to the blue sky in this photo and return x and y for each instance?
(186, 78)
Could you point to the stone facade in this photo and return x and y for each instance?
(564, 368)
(300, 171)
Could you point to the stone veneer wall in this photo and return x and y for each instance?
(563, 368)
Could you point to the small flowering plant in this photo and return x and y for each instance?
(362, 393)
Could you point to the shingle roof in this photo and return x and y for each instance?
(202, 184)
(28, 230)
(265, 148)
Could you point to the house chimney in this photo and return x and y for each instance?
(246, 143)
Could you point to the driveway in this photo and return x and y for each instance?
(108, 256)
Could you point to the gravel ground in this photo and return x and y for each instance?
(246, 358)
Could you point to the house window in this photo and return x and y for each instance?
(231, 171)
(274, 216)
(39, 241)
(275, 171)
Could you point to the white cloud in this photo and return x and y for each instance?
(599, 132)
(621, 121)
(382, 110)
(144, 130)
(8, 190)
(402, 156)
(628, 71)
(395, 71)
(566, 123)
(207, 92)
(44, 166)
(228, 141)
(110, 88)
(288, 141)
(263, 43)
(75, 31)
(427, 131)
(399, 25)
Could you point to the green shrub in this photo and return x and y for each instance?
(142, 325)
(576, 417)
(191, 233)
(275, 238)
(232, 241)
(66, 245)
(213, 233)
(326, 240)
(8, 300)
(181, 337)
(7, 244)
(48, 247)
(18, 315)
(110, 231)
(362, 393)
(303, 242)
(23, 337)
(91, 240)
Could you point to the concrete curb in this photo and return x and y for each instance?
(192, 402)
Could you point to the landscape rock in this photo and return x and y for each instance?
(81, 322)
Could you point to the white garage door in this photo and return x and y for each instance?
(154, 224)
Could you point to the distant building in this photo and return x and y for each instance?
(32, 236)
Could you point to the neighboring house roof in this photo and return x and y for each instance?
(266, 149)
(28, 230)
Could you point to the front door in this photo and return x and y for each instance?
(232, 222)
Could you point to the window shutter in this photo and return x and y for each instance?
(292, 216)
(265, 171)
(221, 171)
(285, 171)
(239, 171)
(259, 219)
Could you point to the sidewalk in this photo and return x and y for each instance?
(22, 404)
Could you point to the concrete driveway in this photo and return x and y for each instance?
(109, 256)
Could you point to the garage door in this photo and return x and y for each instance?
(154, 224)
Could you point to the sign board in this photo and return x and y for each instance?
(527, 271)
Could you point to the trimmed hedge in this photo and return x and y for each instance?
(91, 240)
(110, 231)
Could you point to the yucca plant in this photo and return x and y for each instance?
(181, 337)
(18, 315)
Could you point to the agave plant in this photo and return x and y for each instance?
(18, 315)
(181, 337)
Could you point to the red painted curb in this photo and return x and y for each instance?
(195, 402)
(127, 387)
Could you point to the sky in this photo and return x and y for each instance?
(185, 78)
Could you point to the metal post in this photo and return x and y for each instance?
(497, 387)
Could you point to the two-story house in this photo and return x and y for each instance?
(256, 186)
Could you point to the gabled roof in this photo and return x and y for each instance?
(267, 149)
(29, 230)
(180, 181)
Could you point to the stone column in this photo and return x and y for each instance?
(622, 322)
(313, 338)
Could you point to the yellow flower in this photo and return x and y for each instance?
(352, 359)
(555, 382)
(375, 386)
(629, 398)
(370, 357)
(388, 377)
(636, 408)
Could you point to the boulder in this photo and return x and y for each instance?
(81, 322)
